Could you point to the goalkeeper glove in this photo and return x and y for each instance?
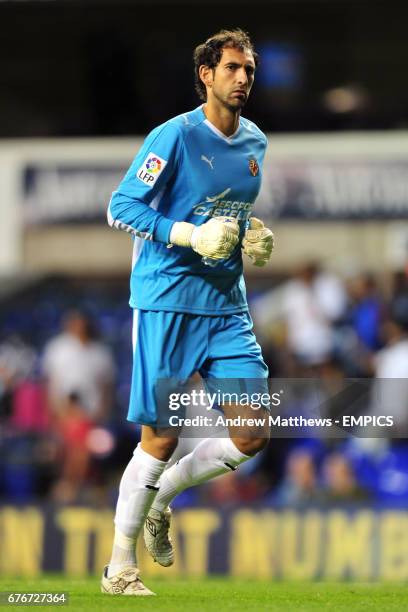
(216, 238)
(258, 242)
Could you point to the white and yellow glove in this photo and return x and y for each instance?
(258, 242)
(216, 238)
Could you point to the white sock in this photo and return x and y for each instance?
(210, 458)
(123, 553)
(137, 490)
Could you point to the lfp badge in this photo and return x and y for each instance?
(253, 167)
(151, 169)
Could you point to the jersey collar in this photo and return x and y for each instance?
(228, 139)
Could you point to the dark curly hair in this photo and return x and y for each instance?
(209, 53)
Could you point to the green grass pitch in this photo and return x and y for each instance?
(202, 595)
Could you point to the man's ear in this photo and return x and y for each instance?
(206, 75)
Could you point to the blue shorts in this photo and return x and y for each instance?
(174, 346)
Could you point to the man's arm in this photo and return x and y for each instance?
(133, 206)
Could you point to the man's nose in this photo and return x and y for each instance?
(242, 77)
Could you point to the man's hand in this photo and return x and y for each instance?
(216, 238)
(258, 242)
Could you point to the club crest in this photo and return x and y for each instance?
(253, 167)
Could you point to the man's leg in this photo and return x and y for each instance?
(210, 458)
(137, 490)
(231, 347)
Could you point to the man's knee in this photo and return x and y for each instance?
(250, 446)
(160, 447)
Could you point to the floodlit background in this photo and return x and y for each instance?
(82, 82)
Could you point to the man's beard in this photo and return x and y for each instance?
(231, 107)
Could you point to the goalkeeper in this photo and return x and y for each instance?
(187, 200)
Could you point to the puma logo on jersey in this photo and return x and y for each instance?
(208, 161)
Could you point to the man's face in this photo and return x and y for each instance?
(231, 80)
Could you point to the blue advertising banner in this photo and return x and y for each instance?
(314, 189)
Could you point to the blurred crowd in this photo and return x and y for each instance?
(65, 376)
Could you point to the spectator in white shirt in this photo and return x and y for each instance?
(76, 362)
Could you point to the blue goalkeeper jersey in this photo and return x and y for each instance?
(187, 170)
